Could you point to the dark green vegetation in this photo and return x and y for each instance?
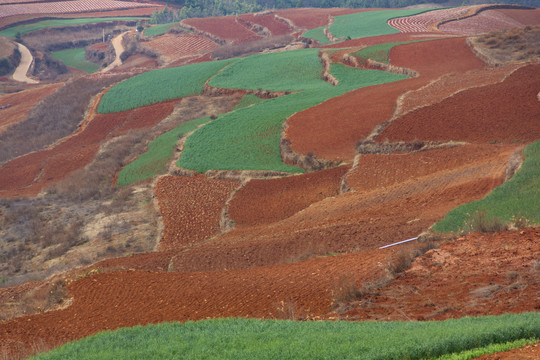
(159, 85)
(274, 339)
(517, 198)
(249, 138)
(26, 28)
(75, 58)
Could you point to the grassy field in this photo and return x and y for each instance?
(378, 52)
(75, 58)
(249, 138)
(160, 29)
(248, 100)
(273, 339)
(26, 28)
(317, 34)
(159, 85)
(515, 198)
(154, 161)
(363, 24)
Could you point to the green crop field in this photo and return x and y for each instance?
(317, 34)
(75, 58)
(154, 161)
(378, 52)
(517, 197)
(248, 139)
(26, 28)
(160, 29)
(364, 24)
(159, 85)
(274, 339)
(248, 100)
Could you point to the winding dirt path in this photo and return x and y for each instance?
(118, 49)
(24, 65)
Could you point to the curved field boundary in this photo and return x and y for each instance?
(159, 85)
(518, 197)
(426, 22)
(223, 27)
(270, 22)
(483, 22)
(173, 46)
(26, 61)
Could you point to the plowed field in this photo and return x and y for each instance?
(485, 21)
(269, 21)
(191, 208)
(21, 103)
(173, 46)
(266, 201)
(224, 27)
(29, 174)
(501, 112)
(331, 129)
(480, 274)
(525, 17)
(314, 18)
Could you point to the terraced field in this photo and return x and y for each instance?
(174, 47)
(225, 27)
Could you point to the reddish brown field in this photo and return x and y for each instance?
(224, 27)
(269, 21)
(173, 46)
(485, 21)
(191, 208)
(480, 274)
(310, 18)
(501, 112)
(21, 104)
(284, 197)
(331, 129)
(525, 17)
(382, 39)
(530, 352)
(29, 174)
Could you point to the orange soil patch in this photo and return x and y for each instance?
(138, 61)
(123, 299)
(331, 130)
(525, 16)
(191, 208)
(266, 201)
(356, 220)
(310, 18)
(29, 174)
(174, 46)
(476, 275)
(530, 352)
(485, 21)
(501, 112)
(269, 21)
(224, 27)
(21, 104)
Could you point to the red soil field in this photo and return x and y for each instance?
(530, 352)
(424, 22)
(501, 112)
(525, 17)
(357, 220)
(191, 208)
(224, 27)
(173, 46)
(382, 39)
(331, 130)
(310, 18)
(21, 104)
(485, 21)
(476, 275)
(138, 61)
(266, 201)
(29, 174)
(269, 21)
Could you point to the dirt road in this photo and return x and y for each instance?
(119, 49)
(24, 65)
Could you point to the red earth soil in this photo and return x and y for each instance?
(525, 17)
(191, 208)
(383, 39)
(269, 21)
(529, 352)
(476, 275)
(123, 299)
(224, 27)
(331, 130)
(485, 21)
(501, 112)
(174, 46)
(138, 61)
(357, 220)
(21, 103)
(28, 175)
(266, 201)
(310, 18)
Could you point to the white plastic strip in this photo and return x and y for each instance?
(399, 242)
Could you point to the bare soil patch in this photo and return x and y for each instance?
(505, 112)
(529, 352)
(223, 27)
(191, 208)
(266, 201)
(178, 46)
(310, 18)
(269, 21)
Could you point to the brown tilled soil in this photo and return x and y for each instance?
(331, 129)
(502, 112)
(191, 208)
(530, 352)
(266, 201)
(310, 18)
(19, 104)
(480, 274)
(29, 174)
(524, 16)
(224, 27)
(269, 21)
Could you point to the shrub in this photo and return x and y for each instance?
(480, 221)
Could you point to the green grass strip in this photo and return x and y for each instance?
(274, 339)
(248, 100)
(378, 52)
(159, 85)
(490, 349)
(75, 58)
(517, 197)
(26, 28)
(160, 29)
(317, 34)
(154, 161)
(248, 139)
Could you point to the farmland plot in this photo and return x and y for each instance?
(425, 22)
(224, 27)
(485, 21)
(173, 46)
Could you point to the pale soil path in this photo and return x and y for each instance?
(118, 49)
(24, 65)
